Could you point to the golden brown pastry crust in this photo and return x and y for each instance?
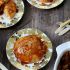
(45, 1)
(10, 9)
(1, 2)
(29, 49)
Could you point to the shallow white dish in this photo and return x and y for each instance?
(6, 22)
(61, 49)
(22, 33)
(38, 5)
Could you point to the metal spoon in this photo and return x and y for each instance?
(2, 67)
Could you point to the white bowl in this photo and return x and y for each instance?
(61, 49)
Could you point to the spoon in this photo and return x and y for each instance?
(2, 67)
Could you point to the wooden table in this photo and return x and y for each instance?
(46, 21)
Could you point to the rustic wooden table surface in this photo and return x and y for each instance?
(46, 21)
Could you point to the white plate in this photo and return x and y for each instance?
(22, 33)
(38, 5)
(6, 22)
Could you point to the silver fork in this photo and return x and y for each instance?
(64, 30)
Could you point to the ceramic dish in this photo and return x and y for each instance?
(61, 49)
(38, 5)
(22, 33)
(6, 22)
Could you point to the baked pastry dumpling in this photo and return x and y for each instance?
(45, 1)
(1, 2)
(10, 9)
(29, 49)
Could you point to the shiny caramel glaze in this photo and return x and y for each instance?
(29, 49)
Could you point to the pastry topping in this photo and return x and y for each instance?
(29, 49)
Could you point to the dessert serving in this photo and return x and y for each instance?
(10, 11)
(45, 4)
(8, 7)
(29, 49)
